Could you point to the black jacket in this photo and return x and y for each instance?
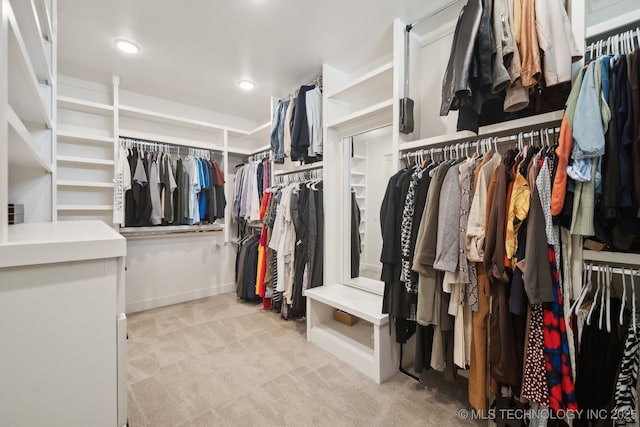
(456, 83)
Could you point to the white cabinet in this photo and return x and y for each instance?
(62, 326)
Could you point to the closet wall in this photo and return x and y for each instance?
(162, 268)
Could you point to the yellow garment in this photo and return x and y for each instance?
(261, 270)
(518, 212)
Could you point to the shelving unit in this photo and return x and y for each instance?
(85, 208)
(23, 151)
(85, 160)
(508, 128)
(84, 184)
(377, 115)
(302, 168)
(379, 79)
(80, 105)
(84, 136)
(612, 258)
(366, 345)
(36, 45)
(141, 113)
(43, 8)
(169, 139)
(27, 96)
(27, 112)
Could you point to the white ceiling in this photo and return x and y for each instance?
(194, 51)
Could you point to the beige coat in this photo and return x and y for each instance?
(556, 41)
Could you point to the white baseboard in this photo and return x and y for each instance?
(178, 298)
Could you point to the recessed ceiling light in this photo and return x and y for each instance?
(246, 84)
(127, 46)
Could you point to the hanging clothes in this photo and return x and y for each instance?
(502, 48)
(290, 246)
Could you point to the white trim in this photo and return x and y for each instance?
(136, 306)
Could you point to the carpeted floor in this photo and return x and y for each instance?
(221, 362)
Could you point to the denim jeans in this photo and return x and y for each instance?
(277, 132)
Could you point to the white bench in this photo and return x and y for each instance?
(367, 345)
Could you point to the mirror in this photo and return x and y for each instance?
(370, 165)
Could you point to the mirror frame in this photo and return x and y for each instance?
(363, 283)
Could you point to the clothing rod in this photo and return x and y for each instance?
(409, 27)
(526, 136)
(165, 144)
(620, 43)
(614, 270)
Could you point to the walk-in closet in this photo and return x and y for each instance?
(329, 213)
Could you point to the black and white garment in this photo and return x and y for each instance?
(405, 232)
(626, 396)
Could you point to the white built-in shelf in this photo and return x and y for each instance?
(358, 336)
(358, 185)
(60, 241)
(84, 208)
(262, 131)
(23, 152)
(358, 157)
(261, 149)
(44, 17)
(367, 306)
(83, 136)
(508, 128)
(32, 34)
(141, 113)
(611, 257)
(248, 151)
(83, 106)
(377, 115)
(358, 174)
(26, 94)
(126, 133)
(169, 229)
(311, 166)
(379, 80)
(83, 184)
(85, 160)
